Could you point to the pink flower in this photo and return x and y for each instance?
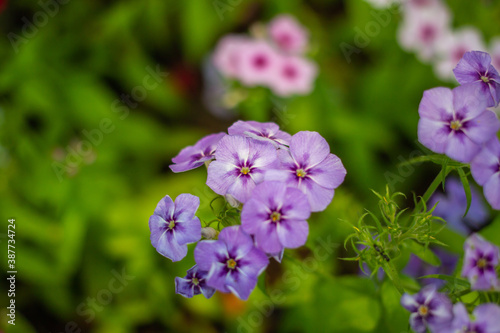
(227, 54)
(288, 34)
(423, 29)
(257, 63)
(293, 75)
(453, 47)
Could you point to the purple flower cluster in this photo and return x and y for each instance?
(457, 122)
(454, 197)
(276, 61)
(434, 311)
(274, 180)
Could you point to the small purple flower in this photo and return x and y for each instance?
(233, 262)
(455, 122)
(453, 198)
(194, 156)
(475, 68)
(276, 216)
(194, 283)
(239, 164)
(485, 169)
(269, 132)
(310, 167)
(480, 262)
(486, 319)
(173, 225)
(428, 309)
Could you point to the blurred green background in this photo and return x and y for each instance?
(82, 219)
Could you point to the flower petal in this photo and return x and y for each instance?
(461, 148)
(188, 232)
(293, 234)
(492, 191)
(309, 148)
(165, 207)
(330, 173)
(436, 104)
(209, 252)
(185, 207)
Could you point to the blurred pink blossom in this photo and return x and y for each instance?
(288, 35)
(226, 56)
(423, 29)
(258, 61)
(453, 47)
(293, 75)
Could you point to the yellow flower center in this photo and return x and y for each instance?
(245, 170)
(171, 224)
(485, 79)
(195, 281)
(482, 263)
(455, 125)
(423, 310)
(231, 264)
(301, 173)
(275, 216)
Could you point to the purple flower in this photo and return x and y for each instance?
(173, 226)
(480, 262)
(485, 169)
(310, 167)
(475, 68)
(239, 164)
(276, 216)
(486, 319)
(455, 122)
(194, 156)
(194, 283)
(260, 131)
(428, 309)
(233, 262)
(455, 197)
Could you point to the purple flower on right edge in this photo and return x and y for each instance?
(428, 308)
(480, 263)
(475, 68)
(455, 122)
(485, 319)
(485, 168)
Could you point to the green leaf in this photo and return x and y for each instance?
(445, 165)
(465, 183)
(423, 253)
(261, 283)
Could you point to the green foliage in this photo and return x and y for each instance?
(74, 230)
